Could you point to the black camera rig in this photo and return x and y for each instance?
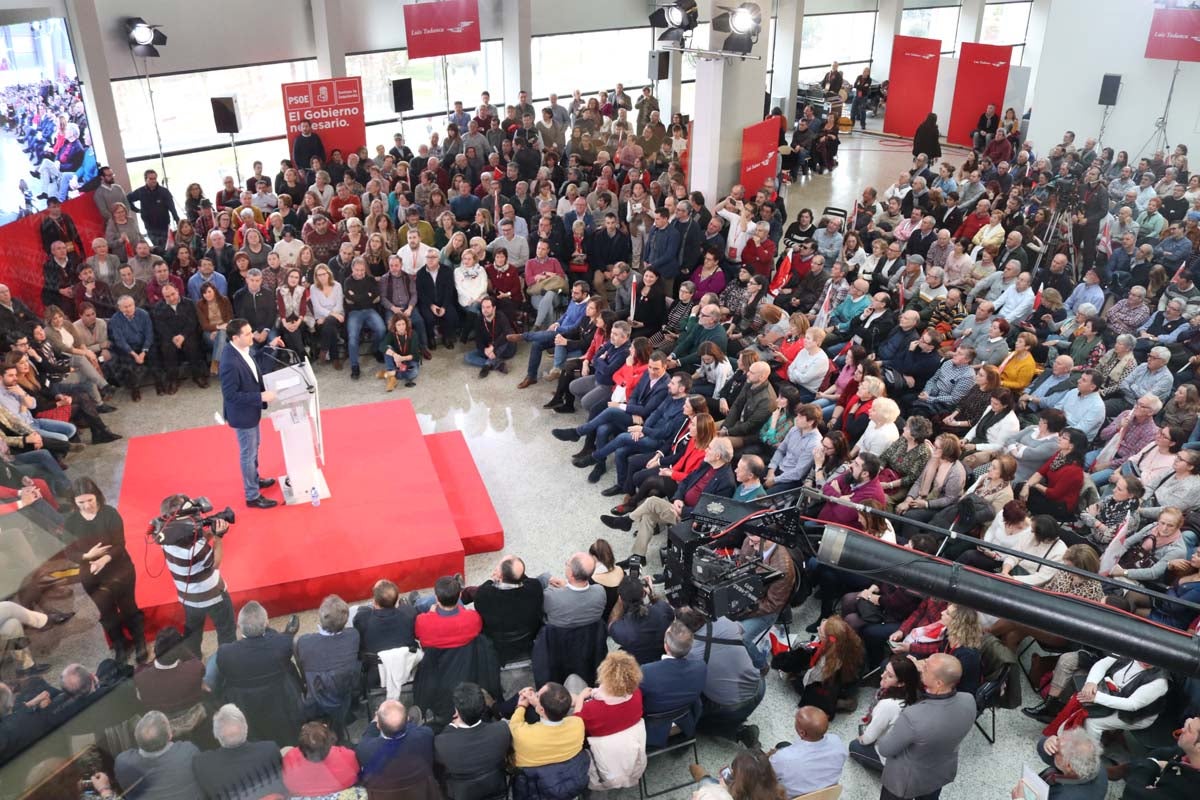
(187, 521)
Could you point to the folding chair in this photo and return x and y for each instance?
(676, 742)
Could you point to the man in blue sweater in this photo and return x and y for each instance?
(542, 341)
(658, 428)
(132, 335)
(661, 250)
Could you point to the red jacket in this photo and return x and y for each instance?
(1064, 484)
(759, 258)
(971, 225)
(928, 612)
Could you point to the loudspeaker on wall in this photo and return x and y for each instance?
(1110, 86)
(660, 64)
(402, 96)
(225, 114)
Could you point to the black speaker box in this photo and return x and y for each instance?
(660, 65)
(225, 114)
(1110, 86)
(402, 98)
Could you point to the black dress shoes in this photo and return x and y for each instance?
(266, 483)
(262, 502)
(613, 491)
(617, 523)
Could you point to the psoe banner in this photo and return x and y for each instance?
(1174, 34)
(334, 107)
(982, 78)
(912, 79)
(442, 28)
(760, 153)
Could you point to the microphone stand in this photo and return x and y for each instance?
(288, 365)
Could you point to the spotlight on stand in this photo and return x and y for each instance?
(679, 18)
(743, 24)
(144, 38)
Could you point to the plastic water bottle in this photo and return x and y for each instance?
(315, 495)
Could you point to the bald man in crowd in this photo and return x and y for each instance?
(511, 607)
(573, 600)
(921, 748)
(395, 754)
(814, 760)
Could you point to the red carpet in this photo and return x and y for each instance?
(390, 515)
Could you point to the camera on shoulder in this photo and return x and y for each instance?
(182, 518)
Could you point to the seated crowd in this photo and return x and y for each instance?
(947, 357)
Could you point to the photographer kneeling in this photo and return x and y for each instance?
(193, 549)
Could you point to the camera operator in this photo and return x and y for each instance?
(106, 571)
(193, 550)
(761, 618)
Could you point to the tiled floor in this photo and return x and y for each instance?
(548, 509)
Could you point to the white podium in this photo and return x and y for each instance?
(296, 414)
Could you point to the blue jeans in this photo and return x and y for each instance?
(605, 425)
(562, 353)
(623, 455)
(503, 351)
(623, 444)
(545, 305)
(216, 341)
(247, 439)
(405, 370)
(53, 429)
(752, 629)
(539, 343)
(355, 322)
(43, 462)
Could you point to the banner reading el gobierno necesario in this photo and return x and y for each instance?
(334, 106)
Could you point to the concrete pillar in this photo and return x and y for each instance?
(518, 39)
(87, 41)
(887, 25)
(1035, 38)
(668, 91)
(729, 96)
(328, 21)
(789, 25)
(970, 23)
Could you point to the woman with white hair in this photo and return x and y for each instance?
(881, 430)
(1114, 365)
(103, 261)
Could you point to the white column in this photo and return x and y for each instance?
(1035, 37)
(788, 28)
(668, 91)
(87, 41)
(729, 96)
(327, 18)
(518, 64)
(886, 27)
(970, 23)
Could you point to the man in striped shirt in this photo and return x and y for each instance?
(193, 556)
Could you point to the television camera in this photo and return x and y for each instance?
(184, 518)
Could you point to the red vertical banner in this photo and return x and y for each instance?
(334, 106)
(441, 28)
(760, 153)
(911, 81)
(982, 78)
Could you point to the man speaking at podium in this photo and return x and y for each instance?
(244, 399)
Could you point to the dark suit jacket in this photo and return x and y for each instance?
(251, 770)
(671, 684)
(169, 322)
(436, 293)
(400, 767)
(240, 390)
(723, 483)
(471, 760)
(259, 677)
(644, 398)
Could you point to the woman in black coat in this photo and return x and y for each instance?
(927, 139)
(105, 568)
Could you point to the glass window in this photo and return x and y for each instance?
(850, 70)
(1005, 23)
(209, 167)
(931, 23)
(467, 75)
(836, 37)
(589, 61)
(182, 109)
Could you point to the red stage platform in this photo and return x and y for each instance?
(405, 507)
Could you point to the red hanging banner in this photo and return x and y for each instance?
(1174, 34)
(442, 28)
(760, 153)
(335, 108)
(911, 81)
(982, 78)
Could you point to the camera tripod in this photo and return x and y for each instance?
(1061, 224)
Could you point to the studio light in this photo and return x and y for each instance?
(743, 24)
(679, 18)
(144, 38)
